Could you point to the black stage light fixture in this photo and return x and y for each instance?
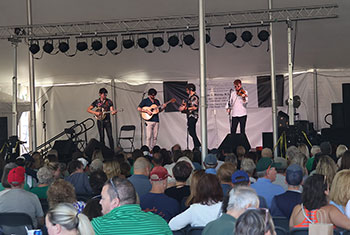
(82, 46)
(263, 35)
(111, 44)
(128, 43)
(246, 36)
(158, 41)
(231, 37)
(63, 47)
(142, 42)
(34, 48)
(96, 45)
(173, 41)
(207, 38)
(48, 47)
(189, 39)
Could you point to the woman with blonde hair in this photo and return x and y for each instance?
(339, 194)
(326, 166)
(111, 168)
(194, 181)
(64, 219)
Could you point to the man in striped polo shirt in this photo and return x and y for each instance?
(121, 214)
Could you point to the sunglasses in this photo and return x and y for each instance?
(114, 187)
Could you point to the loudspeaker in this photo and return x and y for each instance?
(95, 144)
(65, 149)
(267, 140)
(338, 115)
(231, 142)
(4, 131)
(346, 103)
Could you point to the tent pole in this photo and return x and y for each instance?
(290, 75)
(14, 89)
(273, 83)
(203, 85)
(115, 117)
(31, 82)
(315, 81)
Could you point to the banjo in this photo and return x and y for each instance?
(154, 109)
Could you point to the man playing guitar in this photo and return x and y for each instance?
(152, 125)
(236, 107)
(104, 108)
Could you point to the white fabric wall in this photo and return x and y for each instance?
(71, 102)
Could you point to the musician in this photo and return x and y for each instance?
(103, 104)
(236, 107)
(191, 107)
(152, 125)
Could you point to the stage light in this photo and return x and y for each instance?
(96, 45)
(63, 47)
(263, 35)
(173, 41)
(231, 37)
(111, 44)
(128, 43)
(142, 42)
(207, 38)
(246, 36)
(34, 48)
(189, 39)
(48, 47)
(82, 46)
(158, 41)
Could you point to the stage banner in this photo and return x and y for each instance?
(264, 90)
(175, 90)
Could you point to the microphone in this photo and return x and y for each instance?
(45, 102)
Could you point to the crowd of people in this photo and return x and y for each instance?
(160, 191)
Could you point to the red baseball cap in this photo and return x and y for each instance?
(16, 176)
(159, 173)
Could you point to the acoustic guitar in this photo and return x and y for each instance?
(103, 113)
(154, 109)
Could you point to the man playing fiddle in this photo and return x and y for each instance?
(236, 107)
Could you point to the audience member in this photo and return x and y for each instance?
(156, 201)
(210, 163)
(111, 168)
(266, 152)
(93, 208)
(283, 204)
(181, 171)
(264, 187)
(314, 199)
(314, 150)
(54, 167)
(339, 153)
(193, 186)
(125, 170)
(224, 174)
(240, 199)
(45, 177)
(340, 193)
(326, 166)
(19, 200)
(139, 179)
(122, 215)
(304, 149)
(248, 166)
(345, 161)
(206, 204)
(255, 222)
(38, 160)
(4, 185)
(157, 159)
(62, 191)
(64, 219)
(96, 165)
(97, 180)
(78, 178)
(97, 154)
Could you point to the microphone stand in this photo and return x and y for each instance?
(141, 120)
(44, 119)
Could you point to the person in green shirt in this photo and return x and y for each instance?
(121, 214)
(45, 177)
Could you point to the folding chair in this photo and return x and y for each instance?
(14, 223)
(127, 132)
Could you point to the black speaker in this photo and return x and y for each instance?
(346, 103)
(65, 149)
(4, 131)
(338, 115)
(231, 142)
(267, 140)
(95, 144)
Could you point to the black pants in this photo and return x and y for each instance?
(242, 121)
(191, 127)
(105, 124)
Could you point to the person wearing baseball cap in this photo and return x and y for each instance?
(283, 204)
(210, 163)
(266, 171)
(156, 201)
(19, 200)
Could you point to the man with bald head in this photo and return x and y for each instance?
(140, 178)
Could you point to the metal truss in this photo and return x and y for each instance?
(167, 24)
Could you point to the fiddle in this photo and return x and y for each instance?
(241, 92)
